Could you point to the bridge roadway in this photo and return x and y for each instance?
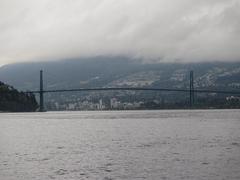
(191, 90)
(137, 89)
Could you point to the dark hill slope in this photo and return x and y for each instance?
(12, 100)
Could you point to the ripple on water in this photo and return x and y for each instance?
(108, 178)
(236, 144)
(61, 172)
(107, 167)
(60, 147)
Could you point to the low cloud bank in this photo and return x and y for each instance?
(156, 30)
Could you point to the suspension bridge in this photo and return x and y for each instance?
(191, 90)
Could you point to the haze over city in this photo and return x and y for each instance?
(155, 31)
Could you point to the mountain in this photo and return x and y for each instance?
(13, 101)
(120, 72)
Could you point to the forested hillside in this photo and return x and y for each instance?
(12, 100)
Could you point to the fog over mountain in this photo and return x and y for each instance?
(156, 30)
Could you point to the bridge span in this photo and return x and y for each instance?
(191, 90)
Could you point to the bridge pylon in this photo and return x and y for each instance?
(191, 90)
(41, 108)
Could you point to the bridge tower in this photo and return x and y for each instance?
(191, 90)
(41, 92)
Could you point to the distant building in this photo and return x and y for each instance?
(56, 105)
(113, 103)
(232, 98)
(71, 106)
(100, 105)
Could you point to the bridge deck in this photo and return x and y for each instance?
(136, 89)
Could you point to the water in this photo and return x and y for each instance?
(194, 145)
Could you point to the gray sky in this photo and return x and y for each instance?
(156, 30)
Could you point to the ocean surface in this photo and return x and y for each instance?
(158, 145)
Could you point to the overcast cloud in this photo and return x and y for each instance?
(159, 30)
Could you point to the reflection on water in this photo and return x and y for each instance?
(120, 145)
